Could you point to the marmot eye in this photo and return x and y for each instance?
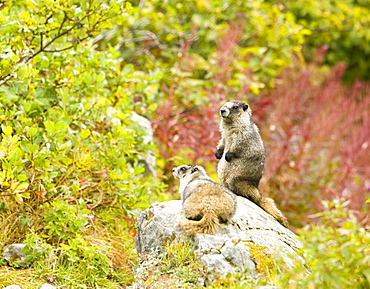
(183, 169)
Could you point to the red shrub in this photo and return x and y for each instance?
(187, 132)
(186, 135)
(316, 132)
(316, 137)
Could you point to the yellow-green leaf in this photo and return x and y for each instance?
(85, 133)
(7, 130)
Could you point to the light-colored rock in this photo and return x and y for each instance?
(47, 286)
(158, 226)
(222, 255)
(12, 287)
(13, 253)
(229, 251)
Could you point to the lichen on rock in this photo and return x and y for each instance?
(245, 245)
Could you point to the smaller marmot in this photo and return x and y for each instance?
(205, 203)
(242, 156)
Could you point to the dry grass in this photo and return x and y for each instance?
(10, 276)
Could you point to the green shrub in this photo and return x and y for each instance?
(76, 262)
(70, 152)
(342, 26)
(336, 252)
(64, 222)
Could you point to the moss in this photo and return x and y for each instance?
(262, 258)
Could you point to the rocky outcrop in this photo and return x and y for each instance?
(14, 256)
(233, 249)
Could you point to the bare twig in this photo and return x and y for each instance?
(59, 50)
(41, 40)
(43, 46)
(69, 47)
(147, 36)
(60, 34)
(61, 25)
(6, 79)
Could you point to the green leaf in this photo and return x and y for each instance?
(32, 131)
(61, 126)
(7, 96)
(26, 195)
(14, 57)
(23, 70)
(22, 178)
(24, 146)
(85, 211)
(28, 147)
(49, 126)
(7, 130)
(85, 133)
(67, 161)
(348, 225)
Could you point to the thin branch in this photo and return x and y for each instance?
(58, 50)
(149, 54)
(155, 39)
(69, 47)
(64, 20)
(147, 35)
(41, 40)
(48, 18)
(27, 58)
(31, 40)
(6, 79)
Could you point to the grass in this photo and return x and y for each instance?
(11, 276)
(100, 255)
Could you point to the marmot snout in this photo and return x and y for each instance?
(232, 108)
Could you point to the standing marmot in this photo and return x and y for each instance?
(242, 156)
(206, 203)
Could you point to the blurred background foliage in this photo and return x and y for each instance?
(75, 75)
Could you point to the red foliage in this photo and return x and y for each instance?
(224, 56)
(192, 133)
(316, 132)
(316, 136)
(177, 124)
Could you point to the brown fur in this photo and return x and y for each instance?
(206, 203)
(242, 156)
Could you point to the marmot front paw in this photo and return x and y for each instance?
(229, 156)
(219, 153)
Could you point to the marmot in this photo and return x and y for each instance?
(242, 156)
(206, 203)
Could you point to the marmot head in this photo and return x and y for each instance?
(233, 109)
(184, 171)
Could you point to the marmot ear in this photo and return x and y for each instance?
(245, 106)
(195, 169)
